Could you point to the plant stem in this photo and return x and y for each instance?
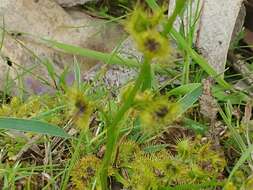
(113, 131)
(147, 75)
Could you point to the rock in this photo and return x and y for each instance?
(248, 38)
(217, 24)
(26, 21)
(71, 3)
(117, 76)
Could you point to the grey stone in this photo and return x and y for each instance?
(27, 21)
(217, 24)
(71, 3)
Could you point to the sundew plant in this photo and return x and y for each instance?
(176, 125)
(147, 29)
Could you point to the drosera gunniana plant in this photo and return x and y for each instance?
(145, 26)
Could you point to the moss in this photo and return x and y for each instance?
(85, 172)
(160, 169)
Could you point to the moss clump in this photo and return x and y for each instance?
(191, 164)
(84, 173)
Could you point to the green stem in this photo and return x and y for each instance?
(147, 75)
(186, 69)
(113, 131)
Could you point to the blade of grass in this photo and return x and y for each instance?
(195, 126)
(34, 126)
(51, 71)
(49, 113)
(240, 162)
(180, 4)
(199, 59)
(2, 35)
(189, 99)
(77, 72)
(235, 134)
(153, 5)
(75, 50)
(183, 89)
(234, 97)
(104, 57)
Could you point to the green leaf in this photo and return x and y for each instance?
(189, 99)
(180, 4)
(77, 72)
(50, 68)
(34, 126)
(195, 126)
(105, 57)
(243, 158)
(183, 89)
(153, 5)
(234, 97)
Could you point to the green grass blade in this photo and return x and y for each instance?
(153, 5)
(241, 161)
(183, 89)
(234, 97)
(77, 72)
(189, 99)
(195, 126)
(50, 69)
(34, 126)
(49, 113)
(180, 4)
(2, 35)
(105, 57)
(199, 59)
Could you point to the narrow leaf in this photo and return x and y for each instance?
(34, 126)
(105, 57)
(189, 99)
(153, 5)
(199, 59)
(183, 89)
(243, 158)
(178, 9)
